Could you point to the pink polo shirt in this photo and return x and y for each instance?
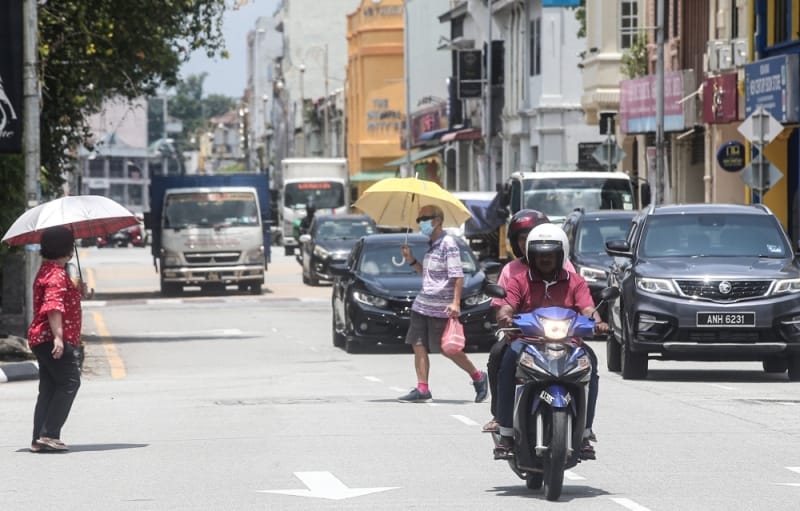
(525, 292)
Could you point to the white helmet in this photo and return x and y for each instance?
(547, 238)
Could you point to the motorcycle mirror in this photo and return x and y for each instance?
(609, 293)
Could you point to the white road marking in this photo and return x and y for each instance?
(465, 420)
(324, 485)
(313, 348)
(398, 389)
(723, 387)
(796, 485)
(375, 379)
(794, 469)
(629, 504)
(572, 476)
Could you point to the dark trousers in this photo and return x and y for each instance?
(492, 367)
(506, 383)
(59, 381)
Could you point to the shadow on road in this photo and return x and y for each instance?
(570, 492)
(714, 376)
(91, 448)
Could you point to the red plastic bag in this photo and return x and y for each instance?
(453, 337)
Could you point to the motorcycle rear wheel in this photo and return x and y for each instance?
(533, 480)
(556, 458)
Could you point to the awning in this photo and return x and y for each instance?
(419, 155)
(433, 135)
(465, 134)
(371, 175)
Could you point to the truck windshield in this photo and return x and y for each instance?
(559, 197)
(320, 194)
(213, 209)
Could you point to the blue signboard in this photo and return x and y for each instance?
(774, 84)
(561, 3)
(731, 156)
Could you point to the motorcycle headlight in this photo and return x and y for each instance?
(660, 286)
(472, 301)
(321, 252)
(786, 286)
(368, 299)
(593, 274)
(555, 328)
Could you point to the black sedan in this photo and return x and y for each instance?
(375, 288)
(329, 240)
(587, 233)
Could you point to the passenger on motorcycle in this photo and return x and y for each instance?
(545, 284)
(518, 229)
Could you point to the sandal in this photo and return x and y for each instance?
(504, 449)
(587, 451)
(52, 444)
(36, 447)
(491, 427)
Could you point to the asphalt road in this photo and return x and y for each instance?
(241, 402)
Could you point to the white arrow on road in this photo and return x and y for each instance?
(324, 485)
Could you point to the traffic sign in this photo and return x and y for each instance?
(770, 172)
(760, 127)
(609, 154)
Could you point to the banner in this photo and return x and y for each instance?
(11, 76)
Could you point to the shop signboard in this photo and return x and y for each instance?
(638, 103)
(774, 84)
(720, 99)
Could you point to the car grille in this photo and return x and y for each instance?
(401, 307)
(709, 290)
(212, 257)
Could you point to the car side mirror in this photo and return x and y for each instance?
(618, 248)
(495, 291)
(609, 293)
(492, 270)
(339, 270)
(645, 194)
(305, 238)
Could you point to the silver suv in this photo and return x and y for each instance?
(705, 282)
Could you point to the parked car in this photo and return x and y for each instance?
(587, 233)
(705, 282)
(374, 290)
(329, 241)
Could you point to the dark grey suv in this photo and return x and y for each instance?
(705, 282)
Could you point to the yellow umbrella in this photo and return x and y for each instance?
(396, 201)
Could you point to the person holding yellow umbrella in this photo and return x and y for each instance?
(438, 300)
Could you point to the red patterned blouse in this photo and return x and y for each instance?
(53, 290)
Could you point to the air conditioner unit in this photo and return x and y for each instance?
(712, 51)
(739, 52)
(725, 56)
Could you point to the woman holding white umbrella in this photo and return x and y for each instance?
(54, 337)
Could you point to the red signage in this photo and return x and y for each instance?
(637, 106)
(721, 99)
(321, 185)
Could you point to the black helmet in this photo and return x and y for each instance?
(522, 222)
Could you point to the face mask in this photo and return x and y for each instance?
(426, 227)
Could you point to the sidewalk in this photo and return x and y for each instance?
(15, 360)
(18, 371)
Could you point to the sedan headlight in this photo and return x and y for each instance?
(321, 252)
(786, 286)
(368, 299)
(660, 286)
(593, 274)
(472, 301)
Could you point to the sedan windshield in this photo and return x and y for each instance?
(344, 229)
(713, 235)
(211, 209)
(386, 259)
(593, 234)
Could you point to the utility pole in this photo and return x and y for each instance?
(488, 177)
(660, 167)
(30, 135)
(407, 61)
(326, 106)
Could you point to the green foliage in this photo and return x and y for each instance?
(634, 60)
(580, 15)
(92, 50)
(189, 105)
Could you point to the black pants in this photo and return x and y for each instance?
(492, 367)
(59, 381)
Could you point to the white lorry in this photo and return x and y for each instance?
(557, 194)
(321, 183)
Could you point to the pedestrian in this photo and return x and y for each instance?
(438, 300)
(54, 337)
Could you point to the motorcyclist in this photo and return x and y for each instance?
(545, 284)
(518, 229)
(305, 223)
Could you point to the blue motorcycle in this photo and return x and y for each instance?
(553, 372)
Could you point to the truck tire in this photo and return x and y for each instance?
(171, 288)
(255, 289)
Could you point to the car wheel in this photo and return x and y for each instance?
(634, 365)
(794, 368)
(312, 278)
(352, 346)
(775, 365)
(288, 250)
(170, 288)
(255, 289)
(305, 279)
(613, 354)
(338, 339)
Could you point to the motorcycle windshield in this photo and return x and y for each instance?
(545, 361)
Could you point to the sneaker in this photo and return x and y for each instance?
(481, 388)
(415, 396)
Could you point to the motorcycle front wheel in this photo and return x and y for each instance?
(556, 457)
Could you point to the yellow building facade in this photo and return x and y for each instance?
(375, 93)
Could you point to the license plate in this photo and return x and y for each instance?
(726, 319)
(213, 276)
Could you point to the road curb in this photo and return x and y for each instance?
(18, 371)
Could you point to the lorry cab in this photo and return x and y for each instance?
(557, 194)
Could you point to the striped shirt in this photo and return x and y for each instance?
(441, 265)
